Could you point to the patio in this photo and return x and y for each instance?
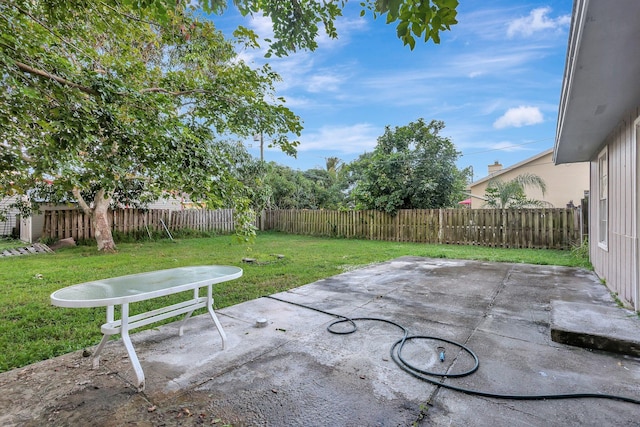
(293, 372)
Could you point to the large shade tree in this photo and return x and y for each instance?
(112, 107)
(121, 101)
(412, 167)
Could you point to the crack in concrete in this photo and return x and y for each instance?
(494, 296)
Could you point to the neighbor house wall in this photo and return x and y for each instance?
(171, 203)
(617, 263)
(564, 183)
(7, 227)
(31, 227)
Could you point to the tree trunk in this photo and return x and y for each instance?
(101, 226)
(100, 215)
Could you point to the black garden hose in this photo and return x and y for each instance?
(430, 377)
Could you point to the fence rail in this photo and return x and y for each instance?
(63, 223)
(509, 228)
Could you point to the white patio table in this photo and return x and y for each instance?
(144, 286)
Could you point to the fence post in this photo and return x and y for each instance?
(584, 217)
(504, 222)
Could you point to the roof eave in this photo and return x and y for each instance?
(596, 90)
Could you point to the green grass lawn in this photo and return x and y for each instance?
(32, 330)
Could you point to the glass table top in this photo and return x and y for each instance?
(138, 287)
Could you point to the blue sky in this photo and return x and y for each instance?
(494, 80)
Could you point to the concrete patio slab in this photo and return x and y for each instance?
(293, 372)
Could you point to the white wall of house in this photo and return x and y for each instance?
(6, 227)
(616, 259)
(171, 203)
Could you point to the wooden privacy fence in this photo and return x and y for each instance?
(509, 228)
(557, 228)
(63, 223)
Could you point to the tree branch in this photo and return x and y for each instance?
(83, 204)
(30, 70)
(174, 93)
(38, 72)
(46, 28)
(129, 16)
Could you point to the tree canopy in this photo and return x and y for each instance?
(274, 186)
(119, 102)
(112, 107)
(298, 23)
(412, 167)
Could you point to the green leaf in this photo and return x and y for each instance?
(401, 29)
(417, 29)
(410, 41)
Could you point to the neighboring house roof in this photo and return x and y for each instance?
(595, 93)
(510, 168)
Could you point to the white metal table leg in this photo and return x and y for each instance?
(124, 332)
(105, 338)
(184, 321)
(214, 317)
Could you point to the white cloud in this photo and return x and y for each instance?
(508, 147)
(484, 63)
(263, 26)
(324, 83)
(295, 102)
(490, 106)
(518, 117)
(346, 27)
(537, 20)
(344, 139)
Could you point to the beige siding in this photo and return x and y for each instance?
(617, 264)
(565, 183)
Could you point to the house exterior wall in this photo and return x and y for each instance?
(171, 204)
(31, 228)
(617, 264)
(564, 183)
(7, 227)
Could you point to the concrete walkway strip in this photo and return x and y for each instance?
(595, 326)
